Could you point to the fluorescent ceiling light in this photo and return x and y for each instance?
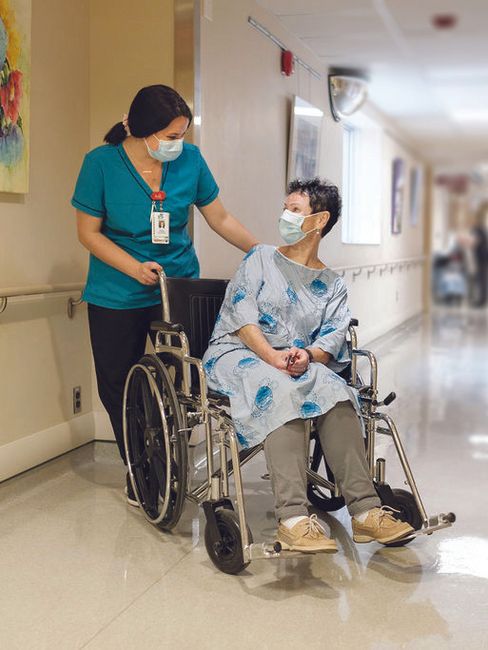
(308, 112)
(466, 74)
(469, 115)
(478, 438)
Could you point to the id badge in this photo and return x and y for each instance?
(159, 226)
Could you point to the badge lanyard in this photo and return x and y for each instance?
(159, 219)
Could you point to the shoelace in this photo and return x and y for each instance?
(313, 527)
(387, 512)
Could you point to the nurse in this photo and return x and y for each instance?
(132, 201)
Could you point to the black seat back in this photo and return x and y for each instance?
(195, 304)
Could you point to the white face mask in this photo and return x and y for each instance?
(290, 226)
(167, 150)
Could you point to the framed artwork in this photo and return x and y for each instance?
(397, 194)
(416, 194)
(15, 25)
(305, 133)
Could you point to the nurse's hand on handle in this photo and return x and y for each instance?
(90, 235)
(147, 272)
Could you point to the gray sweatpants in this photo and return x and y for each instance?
(286, 451)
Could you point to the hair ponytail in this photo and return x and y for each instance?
(152, 110)
(116, 135)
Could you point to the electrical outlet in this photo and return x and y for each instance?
(77, 399)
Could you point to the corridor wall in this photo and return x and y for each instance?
(43, 353)
(89, 57)
(128, 50)
(246, 105)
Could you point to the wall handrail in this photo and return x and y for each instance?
(70, 287)
(42, 289)
(393, 263)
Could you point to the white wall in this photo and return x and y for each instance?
(244, 137)
(85, 71)
(83, 75)
(44, 354)
(118, 68)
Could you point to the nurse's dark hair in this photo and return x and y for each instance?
(323, 196)
(152, 110)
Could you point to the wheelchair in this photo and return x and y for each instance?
(166, 399)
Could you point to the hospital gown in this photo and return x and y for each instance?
(293, 305)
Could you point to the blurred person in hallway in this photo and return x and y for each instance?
(480, 254)
(475, 245)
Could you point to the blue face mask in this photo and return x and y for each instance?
(290, 225)
(167, 150)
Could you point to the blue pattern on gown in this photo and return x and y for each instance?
(293, 305)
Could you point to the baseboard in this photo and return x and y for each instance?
(102, 429)
(372, 334)
(30, 451)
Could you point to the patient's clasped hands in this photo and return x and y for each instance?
(293, 361)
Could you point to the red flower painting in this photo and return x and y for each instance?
(10, 96)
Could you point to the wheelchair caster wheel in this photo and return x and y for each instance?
(404, 501)
(226, 552)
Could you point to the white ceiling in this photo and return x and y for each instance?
(433, 84)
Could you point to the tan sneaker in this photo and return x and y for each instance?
(306, 536)
(380, 526)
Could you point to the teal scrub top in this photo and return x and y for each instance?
(109, 187)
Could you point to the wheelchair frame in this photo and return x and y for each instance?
(214, 493)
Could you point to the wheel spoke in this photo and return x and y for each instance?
(147, 401)
(159, 466)
(139, 417)
(142, 459)
(153, 488)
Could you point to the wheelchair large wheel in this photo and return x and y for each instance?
(156, 446)
(320, 497)
(226, 554)
(404, 502)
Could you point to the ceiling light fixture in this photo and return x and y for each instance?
(475, 115)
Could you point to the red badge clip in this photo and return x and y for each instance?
(158, 196)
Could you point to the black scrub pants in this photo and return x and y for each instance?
(118, 340)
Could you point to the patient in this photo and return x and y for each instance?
(278, 342)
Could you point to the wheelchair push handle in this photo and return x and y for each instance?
(168, 327)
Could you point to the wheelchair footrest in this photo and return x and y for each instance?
(437, 522)
(270, 551)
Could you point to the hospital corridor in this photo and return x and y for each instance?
(243, 325)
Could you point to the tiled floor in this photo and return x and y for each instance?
(81, 569)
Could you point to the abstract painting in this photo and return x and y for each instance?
(15, 22)
(305, 130)
(416, 194)
(397, 193)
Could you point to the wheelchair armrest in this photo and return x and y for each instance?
(158, 325)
